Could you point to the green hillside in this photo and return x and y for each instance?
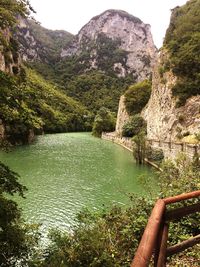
(38, 105)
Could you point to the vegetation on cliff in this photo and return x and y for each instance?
(10, 10)
(183, 43)
(99, 85)
(137, 96)
(35, 104)
(135, 125)
(104, 122)
(96, 89)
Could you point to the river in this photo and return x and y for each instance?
(66, 172)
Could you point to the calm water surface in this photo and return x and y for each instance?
(66, 172)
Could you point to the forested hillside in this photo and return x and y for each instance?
(28, 103)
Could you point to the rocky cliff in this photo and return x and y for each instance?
(164, 120)
(38, 43)
(9, 57)
(122, 117)
(128, 41)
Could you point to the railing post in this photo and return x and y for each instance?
(156, 232)
(161, 262)
(148, 241)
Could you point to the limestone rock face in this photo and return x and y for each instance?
(122, 117)
(29, 46)
(164, 120)
(9, 59)
(38, 43)
(134, 38)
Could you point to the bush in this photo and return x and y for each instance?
(106, 238)
(154, 154)
(137, 96)
(134, 126)
(103, 122)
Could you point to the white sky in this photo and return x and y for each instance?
(74, 14)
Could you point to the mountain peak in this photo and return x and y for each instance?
(120, 32)
(121, 13)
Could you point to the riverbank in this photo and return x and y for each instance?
(126, 143)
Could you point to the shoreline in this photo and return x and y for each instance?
(127, 144)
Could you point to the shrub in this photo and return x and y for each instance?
(137, 96)
(134, 126)
(103, 122)
(154, 154)
(106, 238)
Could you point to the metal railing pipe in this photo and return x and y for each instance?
(147, 243)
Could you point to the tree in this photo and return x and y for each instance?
(139, 149)
(11, 9)
(134, 126)
(137, 96)
(103, 122)
(16, 239)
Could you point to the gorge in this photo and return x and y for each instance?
(57, 88)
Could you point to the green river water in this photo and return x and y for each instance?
(66, 172)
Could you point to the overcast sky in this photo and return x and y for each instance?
(74, 14)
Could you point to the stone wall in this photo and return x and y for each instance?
(170, 150)
(123, 141)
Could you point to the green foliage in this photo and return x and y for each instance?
(137, 96)
(183, 42)
(36, 104)
(10, 9)
(179, 177)
(154, 154)
(96, 89)
(58, 112)
(139, 147)
(14, 112)
(107, 238)
(17, 241)
(103, 122)
(134, 126)
(99, 85)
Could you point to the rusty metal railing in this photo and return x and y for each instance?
(154, 239)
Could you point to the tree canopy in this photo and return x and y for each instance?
(11, 9)
(137, 96)
(183, 43)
